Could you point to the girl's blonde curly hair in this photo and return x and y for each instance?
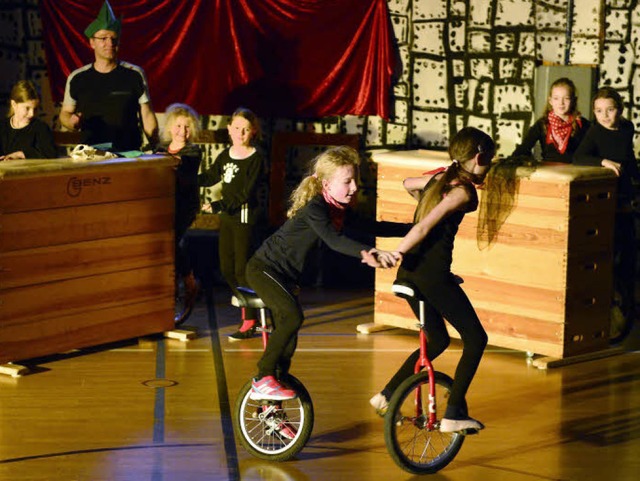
(323, 167)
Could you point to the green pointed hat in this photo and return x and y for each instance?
(105, 20)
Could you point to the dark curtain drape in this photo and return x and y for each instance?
(293, 58)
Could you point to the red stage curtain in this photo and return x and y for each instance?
(291, 58)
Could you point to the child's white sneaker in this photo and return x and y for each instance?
(455, 425)
(380, 403)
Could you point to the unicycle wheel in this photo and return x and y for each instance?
(414, 446)
(274, 430)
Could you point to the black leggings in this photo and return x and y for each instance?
(235, 246)
(287, 316)
(446, 300)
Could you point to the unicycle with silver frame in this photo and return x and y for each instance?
(271, 430)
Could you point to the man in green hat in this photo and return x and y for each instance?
(108, 99)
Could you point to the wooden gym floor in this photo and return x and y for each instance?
(159, 409)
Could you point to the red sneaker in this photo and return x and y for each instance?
(285, 430)
(270, 388)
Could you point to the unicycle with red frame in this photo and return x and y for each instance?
(271, 430)
(412, 421)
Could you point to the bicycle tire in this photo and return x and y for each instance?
(411, 445)
(256, 431)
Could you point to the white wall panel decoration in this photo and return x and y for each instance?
(459, 8)
(617, 64)
(11, 32)
(431, 129)
(512, 98)
(479, 41)
(460, 93)
(354, 124)
(396, 134)
(586, 17)
(585, 51)
(430, 84)
(508, 68)
(514, 12)
(620, 3)
(458, 67)
(527, 44)
(398, 6)
(400, 115)
(617, 22)
(635, 84)
(480, 12)
(483, 123)
(551, 47)
(400, 28)
(375, 131)
(34, 24)
(528, 67)
(482, 68)
(509, 133)
(428, 38)
(457, 36)
(405, 63)
(481, 98)
(550, 17)
(429, 10)
(505, 42)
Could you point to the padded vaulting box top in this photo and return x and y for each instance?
(31, 167)
(544, 171)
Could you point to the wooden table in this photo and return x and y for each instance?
(544, 284)
(86, 253)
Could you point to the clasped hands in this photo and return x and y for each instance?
(379, 258)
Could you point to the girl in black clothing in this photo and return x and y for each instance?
(444, 197)
(22, 136)
(561, 127)
(609, 143)
(319, 212)
(236, 176)
(181, 127)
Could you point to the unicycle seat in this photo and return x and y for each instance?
(246, 297)
(406, 289)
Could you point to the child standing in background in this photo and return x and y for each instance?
(181, 127)
(237, 171)
(561, 127)
(609, 143)
(22, 136)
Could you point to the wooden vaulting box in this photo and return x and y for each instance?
(544, 284)
(86, 253)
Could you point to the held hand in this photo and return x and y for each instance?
(207, 208)
(387, 258)
(369, 258)
(611, 165)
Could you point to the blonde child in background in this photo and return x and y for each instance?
(236, 175)
(22, 135)
(182, 126)
(560, 129)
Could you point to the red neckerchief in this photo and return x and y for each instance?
(559, 131)
(337, 210)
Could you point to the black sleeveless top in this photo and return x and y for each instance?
(431, 259)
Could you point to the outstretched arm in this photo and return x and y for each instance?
(455, 200)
